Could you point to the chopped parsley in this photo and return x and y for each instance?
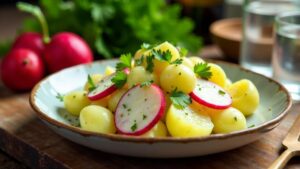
(60, 97)
(119, 79)
(146, 46)
(144, 116)
(146, 83)
(177, 61)
(253, 125)
(124, 106)
(180, 99)
(221, 92)
(134, 126)
(139, 62)
(235, 118)
(162, 56)
(91, 83)
(203, 70)
(183, 51)
(150, 64)
(125, 62)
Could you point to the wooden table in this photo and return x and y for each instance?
(26, 139)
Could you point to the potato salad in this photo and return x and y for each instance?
(160, 92)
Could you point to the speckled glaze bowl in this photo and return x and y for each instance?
(275, 102)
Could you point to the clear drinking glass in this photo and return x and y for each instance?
(258, 20)
(286, 51)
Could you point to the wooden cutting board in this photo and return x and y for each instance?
(24, 137)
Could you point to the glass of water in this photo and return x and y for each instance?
(286, 52)
(258, 20)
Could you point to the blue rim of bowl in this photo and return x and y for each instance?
(262, 128)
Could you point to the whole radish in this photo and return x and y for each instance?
(30, 40)
(65, 49)
(21, 69)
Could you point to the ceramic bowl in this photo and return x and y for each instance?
(274, 104)
(227, 34)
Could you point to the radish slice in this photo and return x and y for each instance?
(104, 88)
(211, 95)
(139, 109)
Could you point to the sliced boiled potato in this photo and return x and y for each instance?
(245, 96)
(188, 63)
(101, 102)
(228, 120)
(75, 101)
(159, 66)
(195, 60)
(218, 75)
(139, 75)
(114, 99)
(188, 122)
(178, 77)
(97, 119)
(109, 70)
(159, 130)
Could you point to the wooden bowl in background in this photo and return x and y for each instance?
(227, 34)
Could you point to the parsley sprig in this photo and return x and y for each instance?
(180, 99)
(183, 51)
(177, 61)
(91, 83)
(162, 55)
(60, 97)
(150, 64)
(125, 62)
(139, 62)
(119, 79)
(146, 83)
(203, 70)
(146, 46)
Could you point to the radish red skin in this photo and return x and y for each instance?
(21, 69)
(201, 101)
(109, 90)
(30, 40)
(66, 49)
(158, 116)
(103, 94)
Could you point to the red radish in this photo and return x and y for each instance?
(66, 49)
(211, 95)
(21, 69)
(139, 109)
(105, 87)
(30, 40)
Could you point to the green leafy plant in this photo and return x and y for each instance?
(113, 27)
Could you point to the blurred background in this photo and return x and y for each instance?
(121, 26)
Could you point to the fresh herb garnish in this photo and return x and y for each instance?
(139, 62)
(235, 118)
(119, 79)
(91, 83)
(162, 56)
(203, 70)
(180, 99)
(146, 83)
(221, 92)
(60, 97)
(177, 61)
(125, 62)
(146, 46)
(150, 64)
(134, 126)
(183, 51)
(253, 125)
(144, 116)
